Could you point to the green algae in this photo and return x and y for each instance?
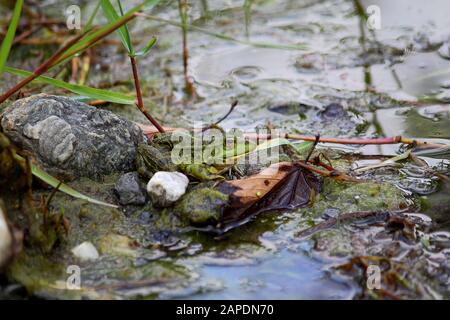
(359, 196)
(419, 126)
(202, 206)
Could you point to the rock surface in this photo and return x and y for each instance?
(129, 189)
(70, 138)
(164, 188)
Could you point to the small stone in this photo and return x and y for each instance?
(164, 188)
(85, 251)
(129, 190)
(6, 239)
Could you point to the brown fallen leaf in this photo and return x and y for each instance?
(281, 186)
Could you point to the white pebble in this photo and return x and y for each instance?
(164, 188)
(5, 239)
(85, 251)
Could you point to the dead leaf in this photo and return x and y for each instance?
(281, 186)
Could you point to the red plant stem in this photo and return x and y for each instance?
(140, 102)
(377, 141)
(319, 163)
(183, 13)
(390, 140)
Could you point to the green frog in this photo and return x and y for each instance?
(154, 157)
(151, 159)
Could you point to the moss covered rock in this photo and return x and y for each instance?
(202, 205)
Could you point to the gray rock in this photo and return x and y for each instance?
(71, 139)
(129, 189)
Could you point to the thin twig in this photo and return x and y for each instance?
(317, 162)
(50, 197)
(233, 105)
(313, 148)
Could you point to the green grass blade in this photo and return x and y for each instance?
(144, 51)
(9, 37)
(112, 16)
(49, 179)
(97, 94)
(149, 4)
(92, 17)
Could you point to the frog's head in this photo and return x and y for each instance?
(150, 159)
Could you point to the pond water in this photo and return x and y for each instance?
(391, 81)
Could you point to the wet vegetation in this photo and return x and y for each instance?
(350, 124)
